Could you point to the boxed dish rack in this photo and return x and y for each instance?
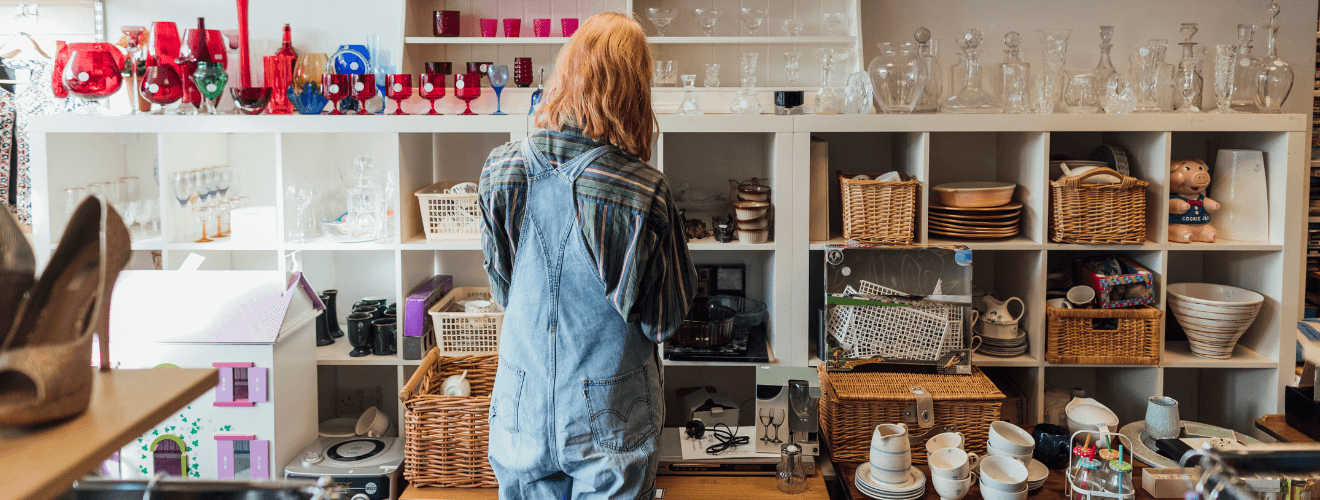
(852, 404)
(898, 305)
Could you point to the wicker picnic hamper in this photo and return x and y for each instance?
(878, 211)
(1098, 214)
(446, 436)
(1071, 336)
(852, 404)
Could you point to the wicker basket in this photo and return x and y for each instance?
(464, 333)
(446, 436)
(1098, 214)
(852, 404)
(1071, 336)
(448, 217)
(878, 211)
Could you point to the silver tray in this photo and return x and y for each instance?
(1144, 447)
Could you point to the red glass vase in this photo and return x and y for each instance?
(279, 74)
(446, 23)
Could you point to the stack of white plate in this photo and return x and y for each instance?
(1037, 473)
(1004, 348)
(912, 489)
(1214, 316)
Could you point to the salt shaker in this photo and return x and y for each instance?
(791, 478)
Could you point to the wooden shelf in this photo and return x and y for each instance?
(485, 40)
(43, 462)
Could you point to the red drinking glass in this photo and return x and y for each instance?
(488, 27)
(279, 75)
(478, 67)
(446, 23)
(364, 88)
(92, 73)
(442, 68)
(433, 87)
(541, 27)
(164, 44)
(162, 85)
(467, 87)
(569, 25)
(522, 71)
(334, 88)
(62, 60)
(513, 28)
(398, 88)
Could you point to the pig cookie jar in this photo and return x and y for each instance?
(1189, 208)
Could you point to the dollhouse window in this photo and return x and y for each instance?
(241, 384)
(241, 456)
(167, 458)
(242, 460)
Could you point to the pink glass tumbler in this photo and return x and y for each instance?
(568, 25)
(488, 27)
(513, 27)
(541, 27)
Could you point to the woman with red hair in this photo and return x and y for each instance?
(585, 250)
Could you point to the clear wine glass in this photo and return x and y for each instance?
(753, 18)
(766, 417)
(202, 213)
(132, 188)
(222, 209)
(833, 21)
(661, 18)
(777, 419)
(212, 189)
(148, 211)
(198, 184)
(224, 178)
(181, 186)
(72, 197)
(791, 26)
(706, 19)
(499, 77)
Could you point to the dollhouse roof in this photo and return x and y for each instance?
(201, 307)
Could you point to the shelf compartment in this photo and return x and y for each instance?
(871, 153)
(425, 159)
(1023, 381)
(1148, 160)
(707, 162)
(1205, 146)
(251, 157)
(1123, 389)
(1216, 396)
(1021, 274)
(1013, 157)
(1260, 272)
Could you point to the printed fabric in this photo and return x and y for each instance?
(1196, 215)
(34, 99)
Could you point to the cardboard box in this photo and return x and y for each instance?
(1132, 273)
(1167, 483)
(418, 333)
(819, 226)
(416, 347)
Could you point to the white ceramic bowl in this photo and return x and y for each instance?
(1215, 295)
(991, 451)
(951, 489)
(993, 494)
(1011, 438)
(944, 440)
(748, 210)
(753, 236)
(1088, 417)
(757, 223)
(1003, 474)
(753, 192)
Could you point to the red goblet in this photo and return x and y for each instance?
(363, 88)
(164, 44)
(467, 87)
(335, 88)
(162, 85)
(398, 88)
(433, 87)
(93, 73)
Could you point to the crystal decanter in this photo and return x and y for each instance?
(1014, 75)
(972, 98)
(1244, 91)
(1271, 77)
(1188, 81)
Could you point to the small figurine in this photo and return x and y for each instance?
(723, 228)
(696, 229)
(1189, 208)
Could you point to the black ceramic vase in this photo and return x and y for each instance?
(333, 322)
(322, 326)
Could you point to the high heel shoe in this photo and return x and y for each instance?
(45, 372)
(18, 270)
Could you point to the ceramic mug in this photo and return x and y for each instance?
(1059, 303)
(952, 463)
(1081, 295)
(1052, 445)
(946, 440)
(1011, 439)
(1003, 474)
(1162, 421)
(951, 489)
(891, 453)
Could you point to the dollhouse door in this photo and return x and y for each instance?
(167, 458)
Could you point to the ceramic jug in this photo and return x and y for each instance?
(996, 311)
(891, 453)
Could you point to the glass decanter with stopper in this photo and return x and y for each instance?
(1104, 70)
(928, 50)
(1243, 97)
(1188, 82)
(1014, 75)
(827, 100)
(1272, 79)
(971, 98)
(746, 101)
(689, 105)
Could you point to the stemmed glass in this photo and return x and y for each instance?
(661, 18)
(72, 197)
(182, 188)
(364, 88)
(753, 18)
(791, 26)
(766, 415)
(93, 73)
(433, 88)
(162, 85)
(398, 88)
(833, 21)
(148, 211)
(467, 86)
(777, 419)
(132, 35)
(499, 77)
(202, 213)
(706, 19)
(334, 87)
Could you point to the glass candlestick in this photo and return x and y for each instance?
(1273, 78)
(971, 98)
(746, 102)
(1013, 76)
(792, 67)
(1243, 98)
(689, 106)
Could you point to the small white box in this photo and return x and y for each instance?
(1167, 483)
(253, 224)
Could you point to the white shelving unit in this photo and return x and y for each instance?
(706, 151)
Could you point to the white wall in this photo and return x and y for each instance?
(1134, 21)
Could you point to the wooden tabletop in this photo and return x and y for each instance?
(43, 462)
(1277, 428)
(676, 488)
(1053, 489)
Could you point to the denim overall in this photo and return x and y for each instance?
(577, 405)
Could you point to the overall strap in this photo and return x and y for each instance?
(537, 163)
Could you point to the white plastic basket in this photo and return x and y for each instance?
(923, 332)
(464, 333)
(448, 217)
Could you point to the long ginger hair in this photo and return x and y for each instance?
(602, 84)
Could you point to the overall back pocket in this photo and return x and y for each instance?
(505, 397)
(621, 410)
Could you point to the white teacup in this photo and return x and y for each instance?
(945, 440)
(952, 463)
(1059, 303)
(1004, 474)
(1081, 295)
(951, 489)
(1011, 438)
(891, 454)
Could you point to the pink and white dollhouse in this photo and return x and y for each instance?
(258, 329)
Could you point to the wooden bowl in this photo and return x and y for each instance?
(975, 194)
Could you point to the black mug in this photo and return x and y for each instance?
(384, 336)
(359, 334)
(1053, 445)
(374, 311)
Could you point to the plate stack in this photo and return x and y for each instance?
(1004, 348)
(889, 475)
(1214, 316)
(912, 489)
(978, 223)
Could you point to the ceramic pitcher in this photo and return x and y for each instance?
(891, 453)
(996, 311)
(1162, 421)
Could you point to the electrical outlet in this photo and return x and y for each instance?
(350, 402)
